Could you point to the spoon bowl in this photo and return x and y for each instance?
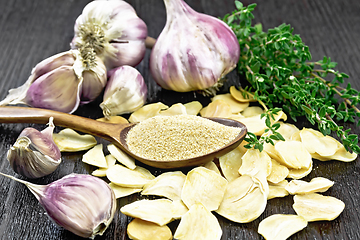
(115, 133)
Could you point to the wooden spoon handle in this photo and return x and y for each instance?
(41, 116)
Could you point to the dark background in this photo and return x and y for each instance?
(31, 31)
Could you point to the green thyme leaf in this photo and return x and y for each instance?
(279, 69)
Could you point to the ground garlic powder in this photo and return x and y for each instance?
(167, 138)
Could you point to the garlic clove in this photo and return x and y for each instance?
(125, 92)
(113, 29)
(94, 83)
(52, 63)
(61, 82)
(80, 203)
(57, 90)
(212, 50)
(34, 153)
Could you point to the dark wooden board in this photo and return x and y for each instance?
(31, 31)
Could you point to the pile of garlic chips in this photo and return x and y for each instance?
(236, 187)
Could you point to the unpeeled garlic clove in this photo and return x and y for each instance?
(125, 92)
(80, 203)
(113, 29)
(61, 82)
(35, 153)
(211, 50)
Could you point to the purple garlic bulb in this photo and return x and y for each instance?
(80, 203)
(62, 82)
(125, 92)
(193, 51)
(115, 32)
(35, 153)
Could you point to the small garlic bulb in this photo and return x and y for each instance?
(113, 29)
(62, 82)
(35, 153)
(193, 51)
(125, 92)
(80, 203)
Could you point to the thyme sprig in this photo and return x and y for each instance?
(280, 72)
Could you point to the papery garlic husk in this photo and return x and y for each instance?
(80, 203)
(194, 50)
(125, 92)
(113, 29)
(61, 82)
(35, 153)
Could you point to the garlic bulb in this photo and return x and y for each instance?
(35, 153)
(125, 92)
(82, 204)
(113, 29)
(61, 82)
(193, 51)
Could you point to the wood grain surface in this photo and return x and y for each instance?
(31, 31)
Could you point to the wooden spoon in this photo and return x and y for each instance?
(115, 133)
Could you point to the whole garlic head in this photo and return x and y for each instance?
(80, 203)
(62, 82)
(194, 50)
(125, 92)
(35, 153)
(113, 29)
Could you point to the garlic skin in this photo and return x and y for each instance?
(80, 203)
(35, 153)
(125, 92)
(113, 29)
(193, 51)
(61, 82)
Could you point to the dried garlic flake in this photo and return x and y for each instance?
(158, 211)
(95, 157)
(318, 184)
(168, 184)
(277, 190)
(101, 172)
(193, 108)
(123, 191)
(198, 223)
(175, 109)
(121, 156)
(244, 201)
(253, 159)
(126, 177)
(143, 230)
(69, 140)
(278, 172)
(281, 226)
(239, 96)
(293, 154)
(203, 186)
(316, 207)
(235, 105)
(231, 162)
(315, 142)
(147, 111)
(252, 111)
(300, 173)
(179, 209)
(218, 108)
(212, 166)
